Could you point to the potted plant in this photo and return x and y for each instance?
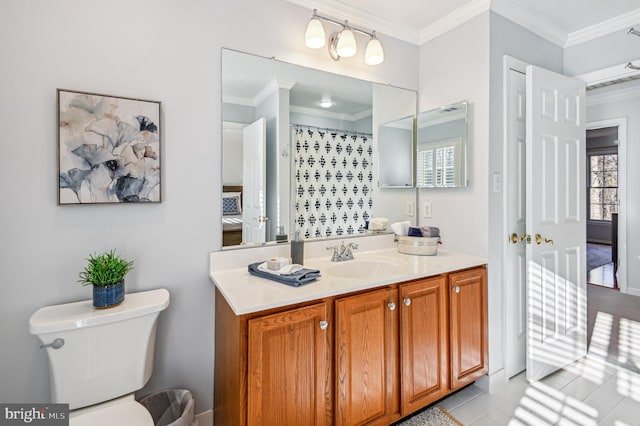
(106, 272)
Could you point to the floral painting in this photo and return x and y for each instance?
(108, 148)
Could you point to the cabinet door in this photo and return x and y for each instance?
(366, 358)
(289, 378)
(424, 342)
(468, 317)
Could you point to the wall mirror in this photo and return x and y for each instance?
(441, 151)
(299, 151)
(396, 146)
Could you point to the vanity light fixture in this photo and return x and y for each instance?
(342, 43)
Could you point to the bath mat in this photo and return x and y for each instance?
(433, 416)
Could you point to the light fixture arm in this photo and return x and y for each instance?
(634, 32)
(344, 24)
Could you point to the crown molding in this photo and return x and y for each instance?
(609, 26)
(510, 9)
(454, 19)
(329, 114)
(531, 21)
(340, 12)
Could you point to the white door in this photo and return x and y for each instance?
(555, 216)
(515, 265)
(254, 222)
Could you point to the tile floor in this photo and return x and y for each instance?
(602, 388)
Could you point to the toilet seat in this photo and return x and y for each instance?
(124, 411)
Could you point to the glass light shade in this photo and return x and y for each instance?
(346, 44)
(314, 36)
(374, 54)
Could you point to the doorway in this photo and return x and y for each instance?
(604, 186)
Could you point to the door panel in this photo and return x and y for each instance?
(254, 180)
(555, 211)
(468, 330)
(424, 336)
(366, 359)
(289, 368)
(515, 267)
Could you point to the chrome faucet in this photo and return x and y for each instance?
(342, 252)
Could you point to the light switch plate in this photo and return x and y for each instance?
(410, 208)
(426, 209)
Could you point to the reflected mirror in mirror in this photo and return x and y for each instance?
(299, 148)
(441, 152)
(396, 153)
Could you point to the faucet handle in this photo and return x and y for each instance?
(354, 246)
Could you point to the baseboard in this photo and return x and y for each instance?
(491, 383)
(633, 291)
(205, 418)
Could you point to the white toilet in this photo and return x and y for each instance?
(99, 357)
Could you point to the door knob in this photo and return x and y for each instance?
(392, 306)
(324, 325)
(514, 238)
(407, 301)
(540, 239)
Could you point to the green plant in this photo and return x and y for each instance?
(105, 269)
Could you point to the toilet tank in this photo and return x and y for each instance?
(106, 353)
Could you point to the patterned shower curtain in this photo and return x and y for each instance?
(333, 181)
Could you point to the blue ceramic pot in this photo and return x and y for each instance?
(109, 295)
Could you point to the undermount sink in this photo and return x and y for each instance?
(363, 268)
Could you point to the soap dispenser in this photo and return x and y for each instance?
(297, 249)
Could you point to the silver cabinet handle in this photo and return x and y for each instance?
(407, 301)
(324, 325)
(457, 289)
(392, 306)
(56, 344)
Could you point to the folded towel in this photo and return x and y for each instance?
(401, 228)
(295, 275)
(430, 231)
(414, 232)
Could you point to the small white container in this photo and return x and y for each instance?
(421, 246)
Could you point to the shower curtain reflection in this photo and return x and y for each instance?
(333, 175)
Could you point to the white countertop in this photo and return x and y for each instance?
(246, 293)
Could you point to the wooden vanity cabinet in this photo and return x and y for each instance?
(366, 342)
(468, 326)
(370, 357)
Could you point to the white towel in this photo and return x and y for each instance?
(401, 228)
(285, 270)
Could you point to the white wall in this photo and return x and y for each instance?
(614, 102)
(455, 67)
(153, 49)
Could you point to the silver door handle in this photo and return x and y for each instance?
(324, 325)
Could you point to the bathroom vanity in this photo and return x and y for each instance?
(371, 341)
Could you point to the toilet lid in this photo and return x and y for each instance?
(124, 411)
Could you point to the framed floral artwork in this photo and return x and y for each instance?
(108, 149)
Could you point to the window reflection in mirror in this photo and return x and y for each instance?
(299, 151)
(441, 153)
